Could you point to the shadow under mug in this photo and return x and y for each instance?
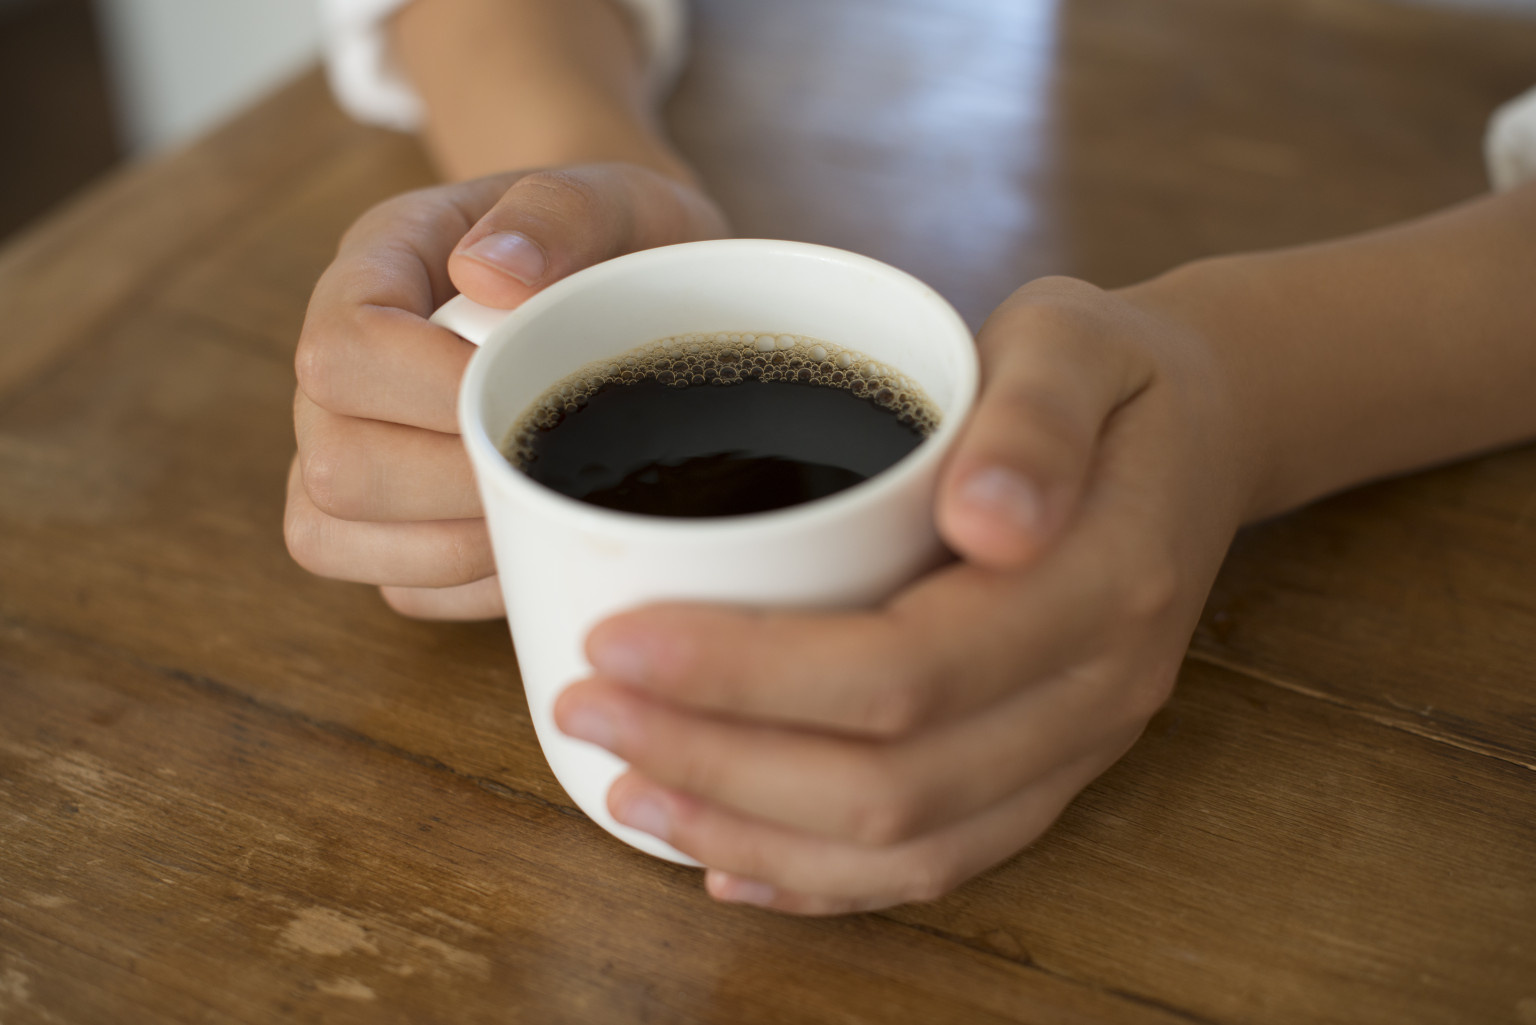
(565, 565)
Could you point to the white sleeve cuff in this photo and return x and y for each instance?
(370, 86)
(1510, 145)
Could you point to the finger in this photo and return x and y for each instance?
(765, 864)
(432, 553)
(734, 889)
(1052, 376)
(357, 469)
(366, 348)
(955, 642)
(381, 363)
(479, 600)
(1046, 662)
(861, 791)
(552, 223)
(397, 252)
(1133, 565)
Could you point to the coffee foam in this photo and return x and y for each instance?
(723, 359)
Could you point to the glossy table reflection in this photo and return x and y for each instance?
(230, 792)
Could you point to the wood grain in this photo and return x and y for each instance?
(233, 792)
(1412, 602)
(981, 144)
(318, 875)
(1265, 857)
(64, 278)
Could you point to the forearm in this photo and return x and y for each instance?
(1372, 355)
(530, 83)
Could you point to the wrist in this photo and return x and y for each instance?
(1209, 304)
(1373, 355)
(590, 139)
(517, 84)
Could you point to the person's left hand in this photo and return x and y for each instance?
(831, 763)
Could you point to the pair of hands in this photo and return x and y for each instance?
(816, 763)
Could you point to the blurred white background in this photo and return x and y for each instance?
(87, 83)
(178, 67)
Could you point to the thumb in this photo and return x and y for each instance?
(552, 223)
(1054, 368)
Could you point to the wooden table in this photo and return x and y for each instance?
(231, 792)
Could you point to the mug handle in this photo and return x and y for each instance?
(468, 319)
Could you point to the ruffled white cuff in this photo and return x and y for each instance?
(369, 85)
(1510, 145)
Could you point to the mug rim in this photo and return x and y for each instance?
(487, 456)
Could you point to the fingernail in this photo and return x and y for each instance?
(648, 815)
(627, 660)
(1004, 493)
(512, 254)
(742, 891)
(591, 724)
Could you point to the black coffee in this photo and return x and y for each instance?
(720, 425)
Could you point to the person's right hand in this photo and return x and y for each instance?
(381, 491)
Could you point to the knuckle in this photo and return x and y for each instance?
(896, 708)
(886, 811)
(404, 601)
(303, 534)
(929, 876)
(322, 351)
(464, 559)
(416, 602)
(1064, 285)
(1054, 422)
(1047, 314)
(335, 352)
(323, 468)
(310, 365)
(392, 211)
(692, 770)
(749, 860)
(903, 688)
(1151, 591)
(1063, 306)
(562, 192)
(1043, 310)
(1151, 692)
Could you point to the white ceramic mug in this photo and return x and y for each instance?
(566, 565)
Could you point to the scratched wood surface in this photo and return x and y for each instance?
(232, 792)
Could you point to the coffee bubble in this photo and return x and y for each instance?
(722, 359)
